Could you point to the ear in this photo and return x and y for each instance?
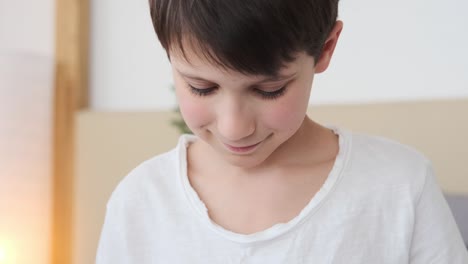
(329, 48)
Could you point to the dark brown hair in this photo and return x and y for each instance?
(249, 36)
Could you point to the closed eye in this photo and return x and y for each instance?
(202, 91)
(263, 94)
(271, 95)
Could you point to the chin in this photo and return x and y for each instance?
(244, 162)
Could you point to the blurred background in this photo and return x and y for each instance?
(85, 96)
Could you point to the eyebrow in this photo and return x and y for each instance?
(278, 77)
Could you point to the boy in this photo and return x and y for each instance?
(259, 181)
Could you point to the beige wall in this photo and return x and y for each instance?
(111, 144)
(108, 146)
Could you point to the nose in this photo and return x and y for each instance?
(235, 122)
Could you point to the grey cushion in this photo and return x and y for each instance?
(459, 206)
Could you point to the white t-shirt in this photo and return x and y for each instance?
(379, 204)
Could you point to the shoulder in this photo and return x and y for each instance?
(386, 164)
(385, 151)
(152, 178)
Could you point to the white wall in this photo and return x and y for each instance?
(26, 85)
(27, 26)
(398, 50)
(389, 50)
(129, 69)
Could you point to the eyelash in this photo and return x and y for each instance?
(264, 95)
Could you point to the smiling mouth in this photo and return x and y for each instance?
(242, 149)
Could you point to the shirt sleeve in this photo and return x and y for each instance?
(436, 238)
(112, 244)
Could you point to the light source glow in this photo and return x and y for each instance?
(2, 255)
(7, 252)
(25, 157)
(27, 67)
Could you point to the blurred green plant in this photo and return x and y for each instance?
(178, 122)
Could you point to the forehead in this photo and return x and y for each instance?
(191, 64)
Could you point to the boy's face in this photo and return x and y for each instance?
(246, 119)
(238, 111)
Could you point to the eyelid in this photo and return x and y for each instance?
(264, 94)
(273, 94)
(254, 88)
(270, 89)
(202, 91)
(203, 88)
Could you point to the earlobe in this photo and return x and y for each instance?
(329, 48)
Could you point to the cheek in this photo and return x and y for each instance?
(193, 110)
(287, 114)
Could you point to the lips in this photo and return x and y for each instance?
(241, 149)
